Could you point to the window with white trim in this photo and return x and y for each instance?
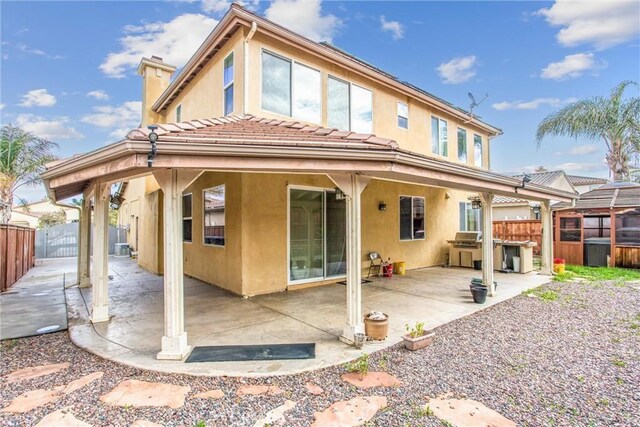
(361, 109)
(291, 88)
(439, 136)
(213, 202)
(403, 115)
(412, 218)
(179, 113)
(187, 219)
(477, 150)
(349, 106)
(227, 81)
(462, 145)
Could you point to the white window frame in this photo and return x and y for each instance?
(204, 219)
(348, 83)
(291, 85)
(424, 203)
(225, 87)
(179, 113)
(475, 163)
(324, 277)
(399, 115)
(440, 120)
(188, 217)
(477, 213)
(351, 85)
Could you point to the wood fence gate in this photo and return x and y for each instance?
(520, 230)
(17, 253)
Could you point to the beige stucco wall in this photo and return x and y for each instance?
(512, 212)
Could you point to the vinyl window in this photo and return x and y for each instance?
(179, 113)
(462, 145)
(403, 115)
(439, 136)
(214, 215)
(477, 150)
(412, 221)
(470, 219)
(349, 106)
(307, 93)
(187, 219)
(228, 84)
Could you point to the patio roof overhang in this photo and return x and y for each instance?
(251, 144)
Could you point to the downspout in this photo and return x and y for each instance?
(245, 66)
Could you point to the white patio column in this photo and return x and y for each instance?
(352, 186)
(547, 238)
(84, 255)
(100, 311)
(174, 341)
(487, 242)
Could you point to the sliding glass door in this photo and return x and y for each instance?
(317, 240)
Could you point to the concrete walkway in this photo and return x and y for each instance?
(35, 304)
(216, 317)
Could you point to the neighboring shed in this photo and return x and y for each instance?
(603, 222)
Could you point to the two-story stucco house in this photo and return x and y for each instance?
(279, 164)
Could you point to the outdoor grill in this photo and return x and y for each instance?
(467, 239)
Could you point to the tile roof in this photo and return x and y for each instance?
(250, 130)
(615, 195)
(586, 180)
(543, 178)
(502, 200)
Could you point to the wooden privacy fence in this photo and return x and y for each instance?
(17, 253)
(520, 230)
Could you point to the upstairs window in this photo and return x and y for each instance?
(361, 109)
(338, 101)
(439, 136)
(228, 84)
(462, 145)
(214, 217)
(403, 115)
(179, 113)
(187, 219)
(291, 89)
(477, 150)
(411, 218)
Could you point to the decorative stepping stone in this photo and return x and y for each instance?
(34, 372)
(275, 415)
(211, 394)
(467, 412)
(145, 423)
(255, 390)
(143, 393)
(61, 418)
(314, 389)
(350, 413)
(371, 379)
(35, 398)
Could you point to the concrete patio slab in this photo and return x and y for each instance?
(37, 300)
(215, 317)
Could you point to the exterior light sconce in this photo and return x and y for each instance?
(153, 138)
(382, 206)
(476, 204)
(339, 194)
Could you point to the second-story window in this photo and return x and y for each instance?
(477, 150)
(403, 115)
(228, 84)
(338, 101)
(462, 145)
(276, 84)
(179, 113)
(361, 109)
(307, 94)
(439, 136)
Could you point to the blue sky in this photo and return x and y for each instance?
(68, 68)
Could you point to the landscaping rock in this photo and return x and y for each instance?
(255, 390)
(142, 393)
(34, 372)
(371, 379)
(314, 389)
(467, 412)
(211, 394)
(354, 412)
(61, 418)
(275, 415)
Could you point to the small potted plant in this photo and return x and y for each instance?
(416, 337)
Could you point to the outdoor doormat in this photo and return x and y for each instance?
(363, 281)
(243, 353)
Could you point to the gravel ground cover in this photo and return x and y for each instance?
(565, 354)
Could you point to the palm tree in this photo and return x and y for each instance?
(22, 158)
(610, 119)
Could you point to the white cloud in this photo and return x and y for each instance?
(175, 41)
(394, 27)
(304, 17)
(38, 98)
(458, 70)
(53, 129)
(2, 106)
(120, 118)
(584, 149)
(531, 105)
(571, 66)
(100, 95)
(601, 24)
(580, 167)
(215, 6)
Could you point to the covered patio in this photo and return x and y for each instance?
(213, 316)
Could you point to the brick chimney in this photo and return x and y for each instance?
(156, 76)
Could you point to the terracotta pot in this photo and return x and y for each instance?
(417, 343)
(376, 329)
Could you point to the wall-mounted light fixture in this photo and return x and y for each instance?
(339, 194)
(153, 137)
(476, 204)
(382, 206)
